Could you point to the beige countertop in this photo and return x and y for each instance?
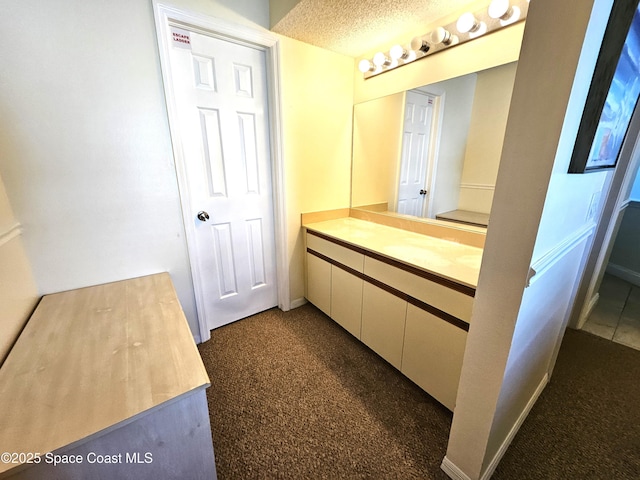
(451, 260)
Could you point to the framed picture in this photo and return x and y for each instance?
(613, 94)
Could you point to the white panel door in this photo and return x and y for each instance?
(412, 189)
(221, 101)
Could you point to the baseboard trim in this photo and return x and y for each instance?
(452, 470)
(298, 302)
(624, 273)
(584, 316)
(512, 433)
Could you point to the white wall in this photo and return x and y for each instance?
(84, 140)
(251, 13)
(539, 218)
(86, 152)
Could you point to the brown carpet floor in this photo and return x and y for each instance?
(586, 423)
(294, 396)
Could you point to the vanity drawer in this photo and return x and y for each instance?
(336, 252)
(439, 296)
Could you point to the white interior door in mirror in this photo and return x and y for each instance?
(221, 101)
(415, 163)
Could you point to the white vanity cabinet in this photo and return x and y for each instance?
(432, 354)
(383, 320)
(333, 284)
(346, 300)
(413, 318)
(319, 282)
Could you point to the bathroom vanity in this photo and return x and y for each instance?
(406, 295)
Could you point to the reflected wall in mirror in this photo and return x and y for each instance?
(434, 149)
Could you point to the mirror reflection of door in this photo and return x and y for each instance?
(416, 162)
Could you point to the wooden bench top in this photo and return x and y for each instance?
(93, 359)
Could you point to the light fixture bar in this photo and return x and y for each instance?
(470, 25)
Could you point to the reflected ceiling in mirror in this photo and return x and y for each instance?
(433, 150)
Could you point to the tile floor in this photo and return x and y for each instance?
(617, 314)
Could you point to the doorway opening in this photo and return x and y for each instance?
(616, 313)
(616, 203)
(174, 28)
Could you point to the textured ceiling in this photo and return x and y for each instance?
(354, 27)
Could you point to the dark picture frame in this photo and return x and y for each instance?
(613, 94)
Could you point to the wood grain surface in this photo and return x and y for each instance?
(94, 359)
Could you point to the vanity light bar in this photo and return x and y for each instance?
(469, 25)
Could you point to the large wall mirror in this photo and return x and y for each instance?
(433, 152)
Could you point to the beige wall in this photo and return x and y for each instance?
(486, 133)
(317, 100)
(377, 145)
(18, 294)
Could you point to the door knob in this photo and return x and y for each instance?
(423, 192)
(203, 216)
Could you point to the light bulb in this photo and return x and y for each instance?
(398, 52)
(365, 66)
(381, 60)
(440, 35)
(467, 23)
(419, 44)
(500, 9)
(515, 16)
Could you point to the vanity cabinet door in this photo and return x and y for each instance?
(383, 317)
(319, 283)
(432, 356)
(346, 300)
